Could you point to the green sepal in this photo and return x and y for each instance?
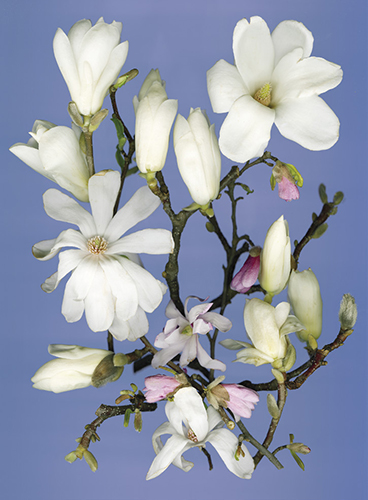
(245, 187)
(295, 174)
(273, 182)
(297, 459)
(127, 417)
(134, 387)
(322, 193)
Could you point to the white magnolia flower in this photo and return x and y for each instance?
(267, 327)
(106, 281)
(181, 335)
(273, 80)
(55, 153)
(190, 425)
(198, 155)
(90, 59)
(155, 114)
(305, 298)
(274, 270)
(76, 367)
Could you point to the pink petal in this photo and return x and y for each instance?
(247, 275)
(288, 190)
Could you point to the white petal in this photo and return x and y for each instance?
(68, 261)
(246, 130)
(151, 241)
(174, 446)
(103, 189)
(253, 52)
(141, 205)
(234, 345)
(288, 35)
(206, 361)
(218, 321)
(74, 351)
(309, 122)
(281, 313)
(254, 356)
(123, 287)
(99, 303)
(193, 411)
(224, 86)
(171, 311)
(225, 443)
(61, 207)
(66, 61)
(189, 350)
(167, 354)
(47, 249)
(30, 156)
(149, 292)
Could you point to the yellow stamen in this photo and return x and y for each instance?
(263, 95)
(97, 244)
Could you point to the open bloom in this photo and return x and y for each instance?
(275, 258)
(267, 327)
(181, 335)
(155, 114)
(106, 281)
(55, 153)
(248, 274)
(198, 156)
(190, 425)
(273, 80)
(305, 298)
(76, 367)
(90, 59)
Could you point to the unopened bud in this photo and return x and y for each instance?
(123, 79)
(299, 448)
(273, 409)
(348, 312)
(91, 461)
(106, 372)
(71, 457)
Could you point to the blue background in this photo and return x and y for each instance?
(329, 413)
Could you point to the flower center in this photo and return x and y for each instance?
(192, 436)
(97, 244)
(263, 95)
(188, 330)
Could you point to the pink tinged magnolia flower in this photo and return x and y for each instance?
(273, 80)
(90, 59)
(181, 334)
(242, 400)
(288, 179)
(158, 387)
(191, 425)
(248, 274)
(107, 282)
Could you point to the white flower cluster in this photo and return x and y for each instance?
(273, 80)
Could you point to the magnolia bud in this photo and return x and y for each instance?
(348, 312)
(91, 461)
(273, 409)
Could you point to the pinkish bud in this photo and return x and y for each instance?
(248, 274)
(241, 400)
(288, 178)
(159, 386)
(288, 190)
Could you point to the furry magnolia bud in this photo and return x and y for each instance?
(348, 312)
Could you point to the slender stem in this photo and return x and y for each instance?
(89, 152)
(248, 437)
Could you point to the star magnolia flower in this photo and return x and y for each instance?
(76, 367)
(248, 274)
(190, 425)
(273, 81)
(305, 298)
(198, 156)
(181, 335)
(239, 399)
(106, 283)
(267, 327)
(275, 258)
(90, 59)
(155, 114)
(55, 153)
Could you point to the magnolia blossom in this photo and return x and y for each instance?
(106, 281)
(155, 114)
(239, 399)
(248, 274)
(305, 298)
(76, 367)
(55, 153)
(273, 80)
(158, 387)
(190, 425)
(198, 155)
(287, 178)
(181, 335)
(275, 258)
(90, 59)
(267, 327)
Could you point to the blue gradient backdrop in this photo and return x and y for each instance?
(329, 414)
